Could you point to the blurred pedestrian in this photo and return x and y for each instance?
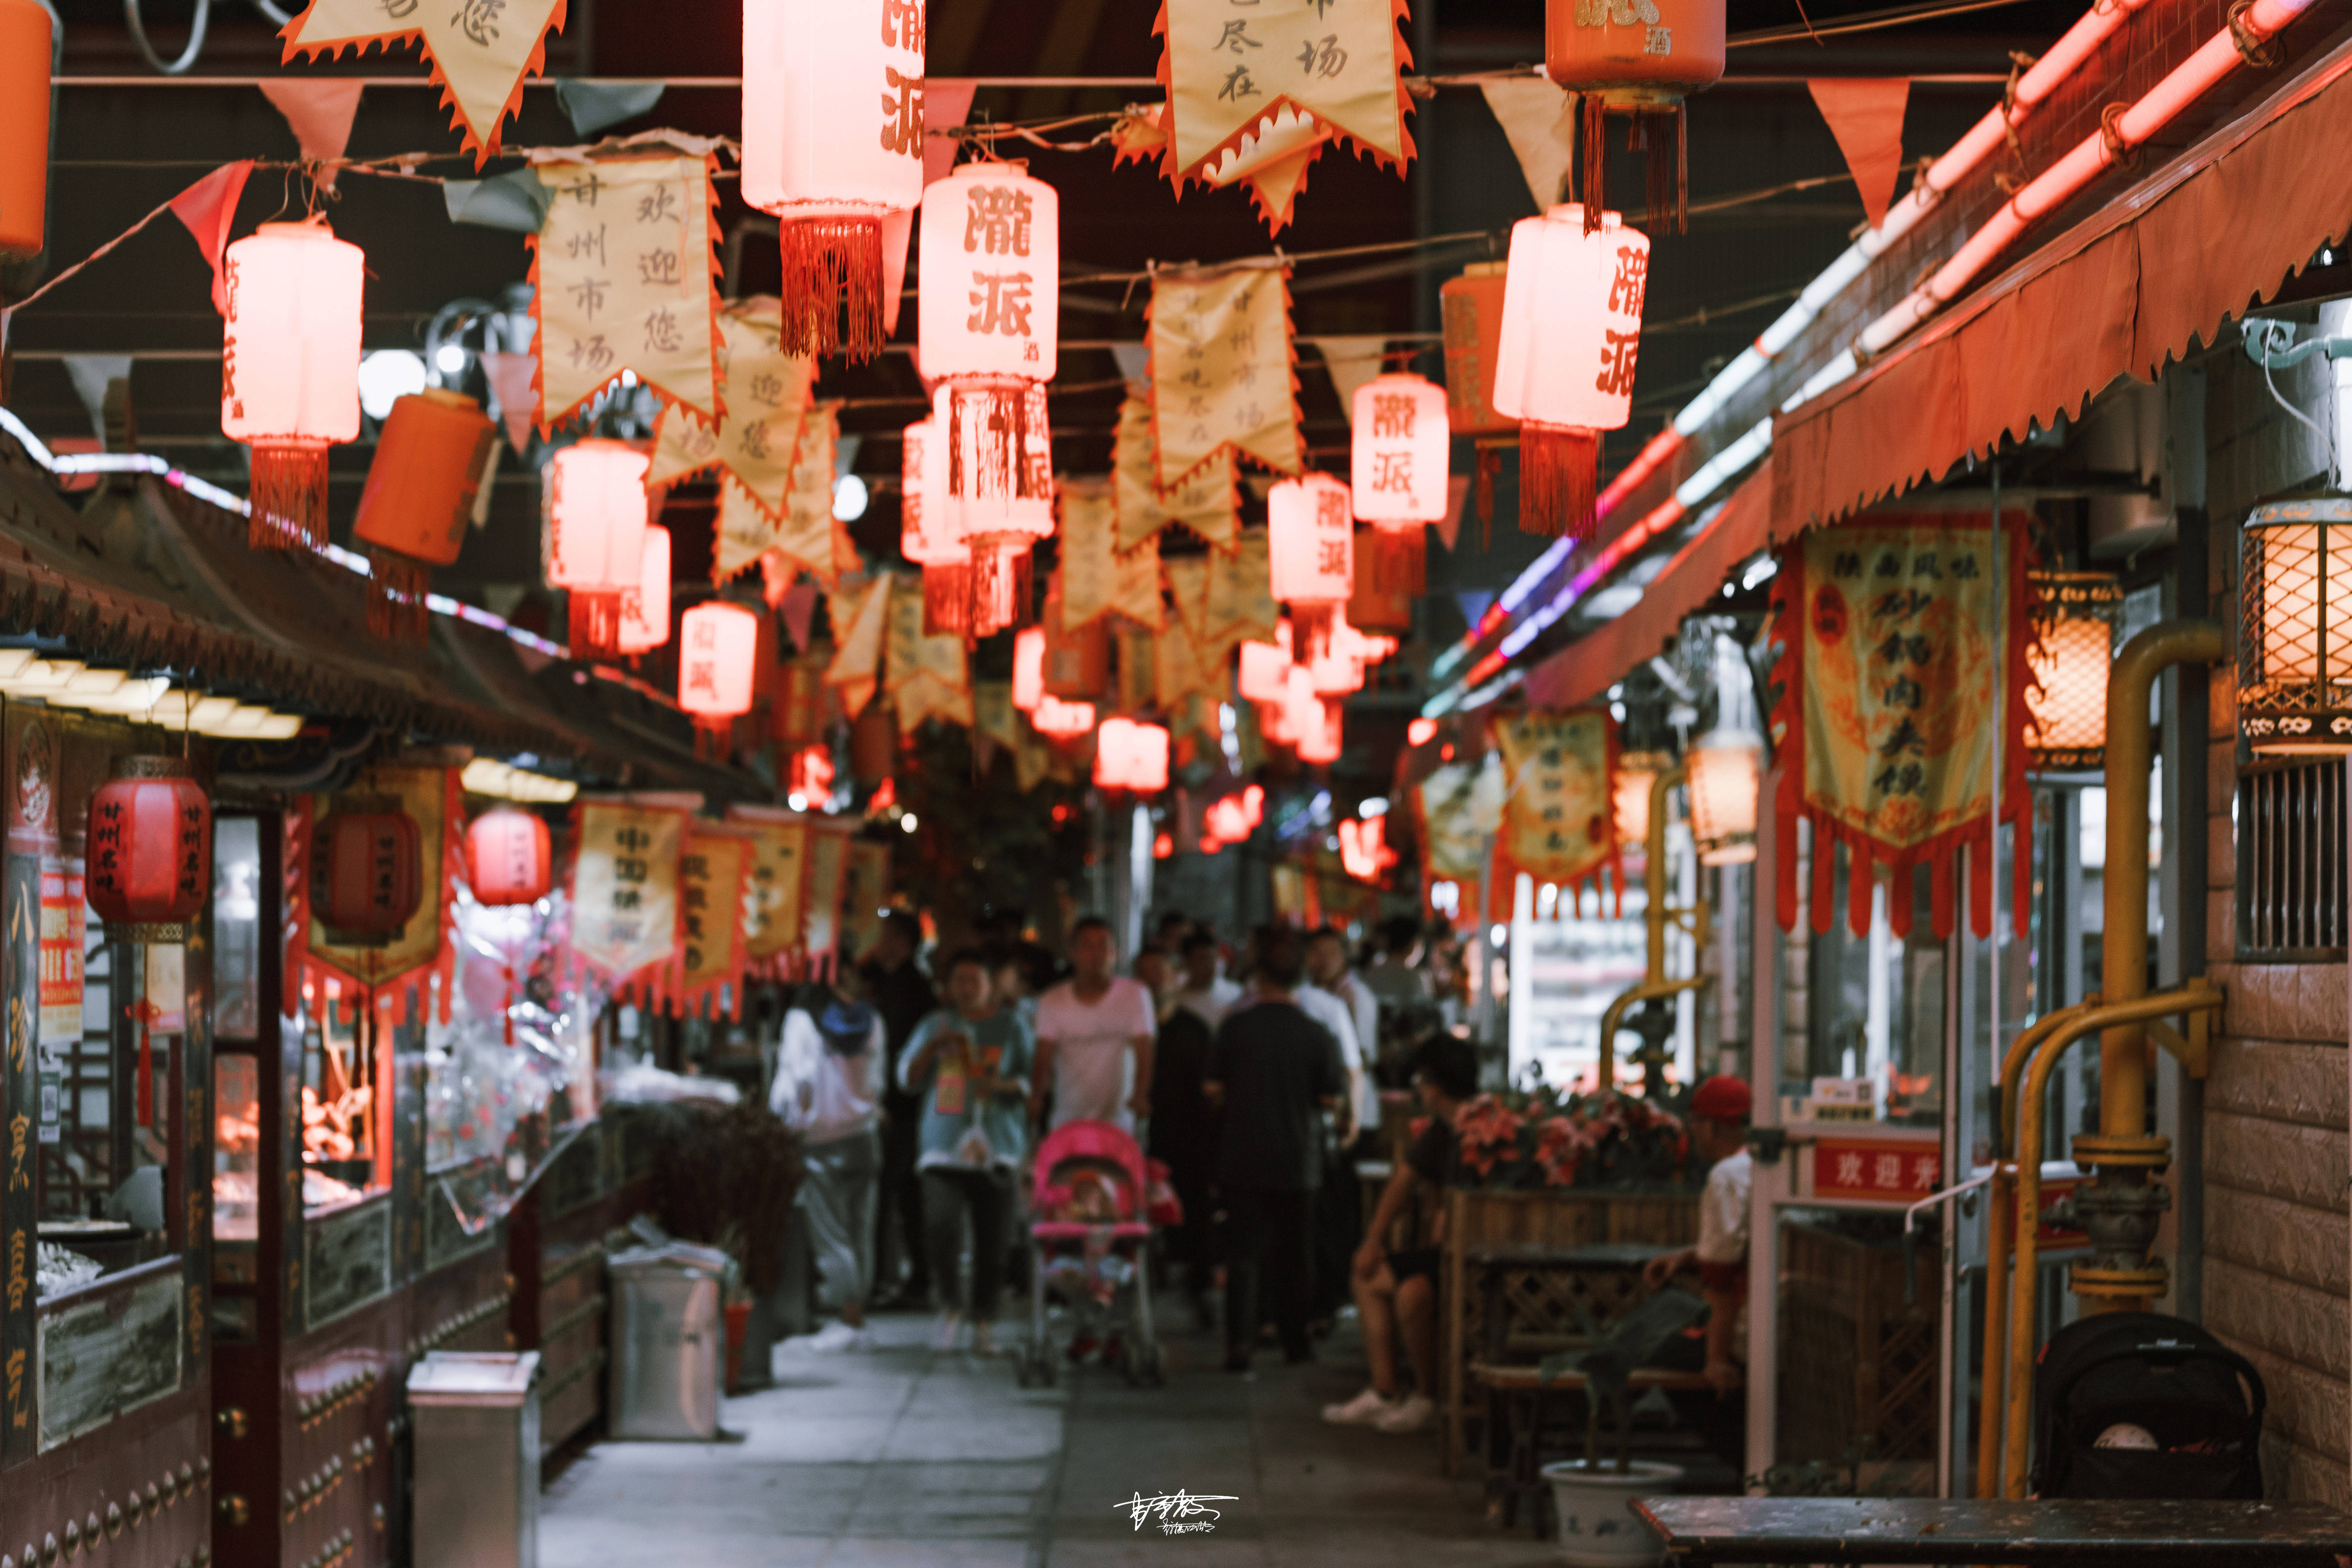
(828, 1089)
(902, 993)
(1204, 988)
(1093, 1038)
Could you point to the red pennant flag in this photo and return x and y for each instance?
(208, 207)
(510, 377)
(1865, 115)
(798, 607)
(321, 111)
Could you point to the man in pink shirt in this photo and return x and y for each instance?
(1093, 1038)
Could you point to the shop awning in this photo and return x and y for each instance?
(2218, 229)
(1590, 664)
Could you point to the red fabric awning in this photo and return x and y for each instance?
(1590, 664)
(2219, 228)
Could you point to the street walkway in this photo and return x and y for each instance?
(905, 1459)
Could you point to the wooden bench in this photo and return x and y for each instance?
(1515, 1424)
(2064, 1533)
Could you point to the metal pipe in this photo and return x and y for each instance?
(1655, 985)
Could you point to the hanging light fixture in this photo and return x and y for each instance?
(1265, 667)
(928, 535)
(1061, 720)
(2295, 628)
(25, 52)
(431, 457)
(150, 845)
(1398, 453)
(594, 538)
(1471, 307)
(1637, 58)
(1131, 756)
(818, 157)
(644, 609)
(510, 857)
(718, 647)
(291, 369)
(1723, 770)
(1564, 369)
(367, 871)
(1310, 547)
(2075, 624)
(1635, 771)
(988, 328)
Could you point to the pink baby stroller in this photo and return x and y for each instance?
(1091, 1239)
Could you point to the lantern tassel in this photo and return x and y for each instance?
(290, 497)
(1664, 138)
(1310, 631)
(1000, 584)
(947, 600)
(1396, 562)
(593, 623)
(1557, 476)
(397, 589)
(1594, 187)
(988, 438)
(832, 264)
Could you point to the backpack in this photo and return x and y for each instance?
(2200, 1402)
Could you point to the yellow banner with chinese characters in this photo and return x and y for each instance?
(710, 881)
(1241, 605)
(1098, 577)
(1207, 502)
(828, 867)
(1558, 804)
(1186, 578)
(766, 392)
(1139, 669)
(1178, 671)
(860, 614)
(865, 892)
(1229, 71)
(807, 537)
(772, 877)
(1906, 641)
(621, 274)
(1222, 376)
(624, 904)
(480, 50)
(927, 676)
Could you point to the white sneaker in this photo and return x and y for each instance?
(1366, 1409)
(1409, 1413)
(950, 1329)
(835, 1337)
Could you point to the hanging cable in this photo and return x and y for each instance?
(195, 37)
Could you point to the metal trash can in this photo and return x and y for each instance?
(476, 1459)
(670, 1341)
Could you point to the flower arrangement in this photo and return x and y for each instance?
(1535, 1138)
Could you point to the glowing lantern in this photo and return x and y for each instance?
(1253, 805)
(291, 369)
(595, 539)
(1420, 731)
(1318, 732)
(927, 536)
(1364, 853)
(1265, 667)
(1300, 712)
(367, 871)
(2076, 623)
(1636, 58)
(150, 843)
(1340, 668)
(1131, 756)
(1310, 545)
(1029, 668)
(1724, 769)
(988, 331)
(812, 777)
(644, 609)
(1225, 821)
(1398, 454)
(818, 155)
(1635, 772)
(2295, 628)
(1571, 330)
(510, 857)
(1059, 720)
(719, 650)
(25, 40)
(1473, 316)
(431, 457)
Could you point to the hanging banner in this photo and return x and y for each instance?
(1461, 808)
(1559, 797)
(860, 614)
(865, 892)
(766, 392)
(434, 799)
(621, 276)
(1241, 606)
(480, 50)
(808, 537)
(828, 866)
(1907, 641)
(1339, 61)
(1100, 576)
(1178, 671)
(1207, 502)
(1222, 376)
(64, 940)
(927, 676)
(711, 871)
(624, 902)
(1139, 670)
(775, 871)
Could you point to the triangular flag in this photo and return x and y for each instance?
(1865, 115)
(798, 608)
(592, 106)
(1352, 361)
(946, 101)
(1541, 120)
(91, 375)
(510, 377)
(1458, 494)
(208, 207)
(320, 109)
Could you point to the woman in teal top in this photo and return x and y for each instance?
(969, 1062)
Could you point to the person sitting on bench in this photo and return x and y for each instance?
(1719, 1113)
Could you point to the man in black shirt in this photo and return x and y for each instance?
(1396, 1293)
(1272, 1071)
(903, 994)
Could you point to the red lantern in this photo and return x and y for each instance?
(367, 871)
(1131, 756)
(928, 535)
(594, 541)
(150, 847)
(1028, 668)
(719, 647)
(812, 71)
(431, 457)
(644, 609)
(291, 369)
(1571, 330)
(1398, 456)
(1473, 307)
(509, 859)
(25, 44)
(1061, 720)
(1636, 59)
(1318, 734)
(1265, 667)
(1311, 549)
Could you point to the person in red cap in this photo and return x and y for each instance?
(1719, 1113)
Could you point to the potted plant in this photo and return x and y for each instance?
(1588, 1495)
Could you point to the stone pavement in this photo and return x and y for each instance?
(905, 1459)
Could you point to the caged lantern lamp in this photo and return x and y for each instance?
(1723, 770)
(2066, 704)
(1398, 452)
(595, 539)
(2294, 673)
(291, 369)
(1636, 771)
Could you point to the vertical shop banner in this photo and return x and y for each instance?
(711, 871)
(776, 874)
(625, 903)
(32, 837)
(828, 870)
(1906, 643)
(1222, 376)
(64, 918)
(1558, 799)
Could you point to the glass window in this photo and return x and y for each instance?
(346, 1070)
(236, 928)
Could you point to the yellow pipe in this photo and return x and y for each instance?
(2198, 996)
(1654, 916)
(2123, 950)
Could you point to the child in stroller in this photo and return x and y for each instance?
(1095, 1206)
